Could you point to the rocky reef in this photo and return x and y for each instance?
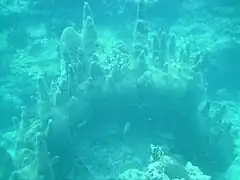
(137, 110)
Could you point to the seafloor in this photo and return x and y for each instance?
(119, 90)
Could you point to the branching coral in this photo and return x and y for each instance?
(218, 134)
(31, 159)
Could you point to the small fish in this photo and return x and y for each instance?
(81, 124)
(204, 107)
(126, 128)
(224, 94)
(166, 136)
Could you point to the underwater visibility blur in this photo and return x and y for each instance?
(119, 90)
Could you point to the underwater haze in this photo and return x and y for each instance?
(119, 90)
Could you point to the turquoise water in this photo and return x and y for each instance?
(119, 90)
